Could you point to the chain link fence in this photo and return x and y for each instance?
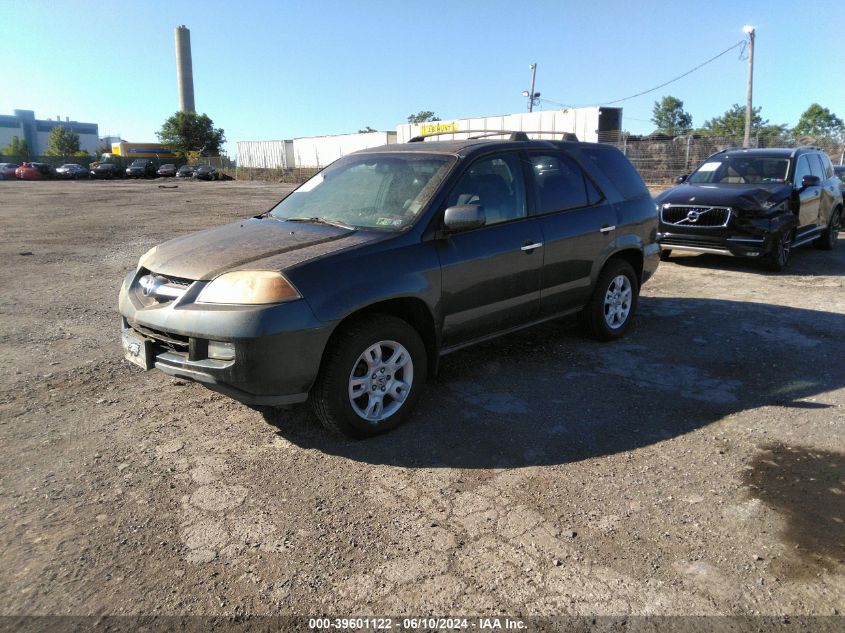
(660, 159)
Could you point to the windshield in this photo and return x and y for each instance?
(741, 170)
(385, 191)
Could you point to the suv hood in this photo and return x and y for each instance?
(750, 197)
(260, 243)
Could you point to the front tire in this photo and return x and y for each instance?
(778, 258)
(371, 376)
(827, 240)
(665, 253)
(611, 309)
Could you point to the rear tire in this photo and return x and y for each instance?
(380, 358)
(612, 307)
(827, 240)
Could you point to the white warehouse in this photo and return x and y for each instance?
(591, 124)
(309, 151)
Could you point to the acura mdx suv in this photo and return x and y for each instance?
(349, 290)
(757, 203)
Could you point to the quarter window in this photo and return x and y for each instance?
(496, 185)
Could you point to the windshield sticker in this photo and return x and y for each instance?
(711, 166)
(308, 186)
(388, 222)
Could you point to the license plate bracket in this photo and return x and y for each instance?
(137, 350)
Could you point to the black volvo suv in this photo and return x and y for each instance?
(753, 203)
(349, 290)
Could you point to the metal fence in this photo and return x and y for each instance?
(660, 159)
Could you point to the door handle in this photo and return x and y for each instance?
(607, 228)
(529, 247)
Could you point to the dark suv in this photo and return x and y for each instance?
(753, 203)
(351, 288)
(141, 168)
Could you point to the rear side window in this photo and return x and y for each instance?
(618, 169)
(560, 184)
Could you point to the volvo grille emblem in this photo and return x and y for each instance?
(693, 216)
(150, 284)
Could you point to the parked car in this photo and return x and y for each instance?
(34, 171)
(351, 288)
(168, 170)
(186, 171)
(106, 170)
(757, 203)
(206, 172)
(141, 168)
(7, 170)
(72, 171)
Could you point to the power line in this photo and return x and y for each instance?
(645, 92)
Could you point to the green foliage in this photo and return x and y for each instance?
(366, 130)
(423, 116)
(62, 142)
(819, 121)
(732, 122)
(16, 149)
(191, 132)
(670, 117)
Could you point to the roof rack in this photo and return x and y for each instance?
(513, 135)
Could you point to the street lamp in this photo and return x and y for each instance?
(530, 94)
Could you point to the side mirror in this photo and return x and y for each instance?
(681, 179)
(810, 181)
(464, 217)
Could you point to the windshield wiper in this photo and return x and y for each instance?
(327, 221)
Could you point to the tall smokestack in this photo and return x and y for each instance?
(184, 69)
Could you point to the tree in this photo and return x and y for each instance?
(423, 116)
(16, 149)
(62, 142)
(819, 121)
(732, 123)
(670, 117)
(367, 130)
(191, 132)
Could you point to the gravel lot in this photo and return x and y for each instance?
(695, 467)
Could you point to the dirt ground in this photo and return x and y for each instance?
(695, 467)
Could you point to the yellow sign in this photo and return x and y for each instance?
(438, 128)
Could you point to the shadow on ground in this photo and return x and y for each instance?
(807, 487)
(546, 395)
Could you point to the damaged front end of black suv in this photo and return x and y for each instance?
(751, 203)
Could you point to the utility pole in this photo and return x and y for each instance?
(532, 96)
(750, 31)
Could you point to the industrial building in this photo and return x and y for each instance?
(36, 132)
(309, 151)
(593, 124)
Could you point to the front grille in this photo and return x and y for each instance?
(692, 217)
(152, 288)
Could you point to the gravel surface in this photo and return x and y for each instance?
(695, 467)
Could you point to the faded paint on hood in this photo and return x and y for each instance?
(260, 243)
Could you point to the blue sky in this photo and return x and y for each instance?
(271, 70)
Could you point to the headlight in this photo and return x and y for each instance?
(252, 287)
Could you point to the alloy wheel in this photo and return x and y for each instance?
(380, 381)
(617, 302)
